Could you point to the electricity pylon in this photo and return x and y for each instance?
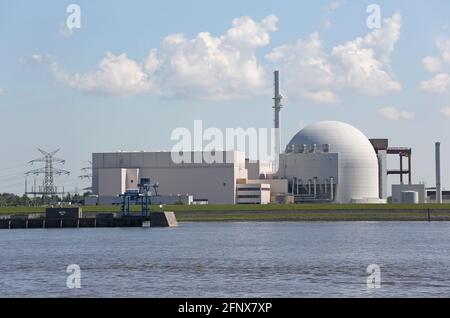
(49, 171)
(87, 174)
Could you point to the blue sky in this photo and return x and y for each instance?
(53, 93)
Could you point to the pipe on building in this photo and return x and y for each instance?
(332, 189)
(438, 173)
(315, 187)
(409, 169)
(401, 168)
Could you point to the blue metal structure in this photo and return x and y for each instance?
(139, 196)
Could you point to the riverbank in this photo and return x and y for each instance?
(316, 215)
(291, 212)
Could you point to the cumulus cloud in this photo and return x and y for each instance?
(432, 64)
(64, 31)
(362, 63)
(322, 97)
(116, 75)
(204, 67)
(36, 59)
(304, 65)
(214, 67)
(440, 66)
(392, 113)
(446, 111)
(226, 66)
(326, 23)
(333, 6)
(440, 83)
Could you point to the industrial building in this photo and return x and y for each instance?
(114, 173)
(328, 161)
(325, 162)
(331, 161)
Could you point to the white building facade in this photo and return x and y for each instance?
(324, 162)
(114, 173)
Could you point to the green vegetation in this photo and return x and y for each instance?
(13, 200)
(302, 216)
(245, 207)
(288, 212)
(322, 213)
(303, 207)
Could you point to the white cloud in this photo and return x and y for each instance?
(362, 64)
(444, 46)
(440, 83)
(205, 67)
(321, 97)
(432, 64)
(64, 31)
(226, 66)
(441, 63)
(35, 59)
(329, 9)
(326, 23)
(304, 66)
(333, 6)
(116, 75)
(392, 113)
(209, 67)
(446, 111)
(1, 91)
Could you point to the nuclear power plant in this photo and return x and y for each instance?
(326, 162)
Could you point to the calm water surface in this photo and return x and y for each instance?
(230, 260)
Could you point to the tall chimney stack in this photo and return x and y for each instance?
(277, 107)
(438, 173)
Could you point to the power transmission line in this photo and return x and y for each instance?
(87, 174)
(48, 188)
(14, 166)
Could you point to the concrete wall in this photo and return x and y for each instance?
(163, 159)
(213, 181)
(217, 184)
(307, 166)
(382, 173)
(132, 179)
(253, 193)
(276, 185)
(257, 168)
(398, 188)
(110, 182)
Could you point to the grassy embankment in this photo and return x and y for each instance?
(289, 212)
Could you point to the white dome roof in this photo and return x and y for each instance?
(357, 160)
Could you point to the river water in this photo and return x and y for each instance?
(286, 259)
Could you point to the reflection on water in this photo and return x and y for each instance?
(230, 260)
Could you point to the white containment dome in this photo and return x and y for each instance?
(357, 160)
